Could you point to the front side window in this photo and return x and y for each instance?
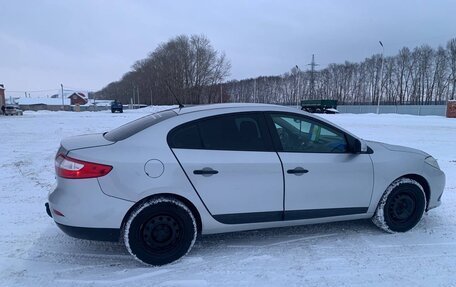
(241, 132)
(300, 134)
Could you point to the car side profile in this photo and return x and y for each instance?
(232, 167)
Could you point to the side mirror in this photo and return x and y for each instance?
(359, 146)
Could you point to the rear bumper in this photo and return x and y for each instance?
(99, 234)
(80, 203)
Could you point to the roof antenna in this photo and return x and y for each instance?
(174, 95)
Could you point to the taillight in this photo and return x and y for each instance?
(68, 167)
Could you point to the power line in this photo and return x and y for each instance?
(47, 90)
(32, 91)
(78, 89)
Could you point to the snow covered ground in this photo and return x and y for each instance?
(34, 252)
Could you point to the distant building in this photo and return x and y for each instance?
(2, 95)
(78, 98)
(36, 104)
(55, 104)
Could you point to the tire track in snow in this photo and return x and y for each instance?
(123, 280)
(283, 241)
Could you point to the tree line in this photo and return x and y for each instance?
(192, 70)
(185, 68)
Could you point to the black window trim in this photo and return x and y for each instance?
(278, 145)
(262, 125)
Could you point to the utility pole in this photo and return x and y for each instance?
(63, 104)
(151, 99)
(298, 78)
(312, 77)
(94, 102)
(137, 94)
(221, 93)
(133, 98)
(254, 90)
(381, 78)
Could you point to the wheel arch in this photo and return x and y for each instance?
(188, 203)
(423, 182)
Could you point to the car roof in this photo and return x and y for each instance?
(232, 107)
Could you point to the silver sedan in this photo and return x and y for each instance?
(157, 182)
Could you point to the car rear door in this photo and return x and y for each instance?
(322, 178)
(230, 161)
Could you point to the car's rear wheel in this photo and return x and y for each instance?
(401, 206)
(160, 231)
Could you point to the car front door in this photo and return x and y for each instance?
(232, 165)
(322, 177)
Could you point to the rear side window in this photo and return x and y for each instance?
(186, 136)
(138, 125)
(242, 132)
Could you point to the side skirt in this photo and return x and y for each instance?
(269, 216)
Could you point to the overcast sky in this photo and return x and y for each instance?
(87, 44)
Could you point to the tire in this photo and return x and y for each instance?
(160, 231)
(401, 206)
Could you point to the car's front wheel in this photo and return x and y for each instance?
(160, 231)
(401, 206)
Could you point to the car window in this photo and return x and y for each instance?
(138, 125)
(242, 132)
(186, 136)
(300, 134)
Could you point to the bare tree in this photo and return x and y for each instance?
(188, 66)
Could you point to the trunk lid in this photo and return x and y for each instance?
(84, 141)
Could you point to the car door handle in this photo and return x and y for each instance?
(205, 171)
(297, 171)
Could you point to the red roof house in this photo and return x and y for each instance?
(78, 98)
